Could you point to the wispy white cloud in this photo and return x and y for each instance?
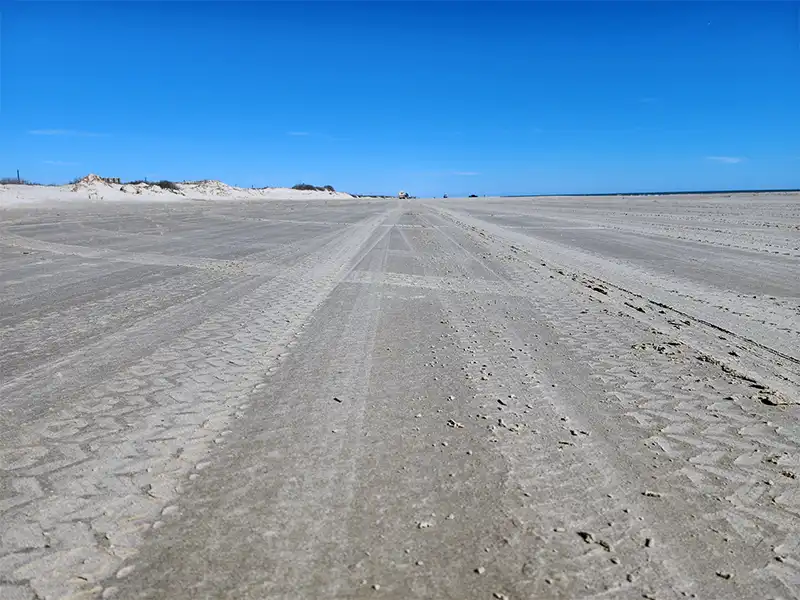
(465, 173)
(298, 133)
(728, 160)
(628, 130)
(66, 132)
(60, 163)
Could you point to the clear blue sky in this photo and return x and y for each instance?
(485, 98)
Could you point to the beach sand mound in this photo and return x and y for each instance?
(92, 187)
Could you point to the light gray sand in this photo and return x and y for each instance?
(485, 398)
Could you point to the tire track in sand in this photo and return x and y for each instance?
(285, 476)
(723, 462)
(82, 484)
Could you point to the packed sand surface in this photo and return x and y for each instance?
(349, 398)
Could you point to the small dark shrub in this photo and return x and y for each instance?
(313, 188)
(167, 185)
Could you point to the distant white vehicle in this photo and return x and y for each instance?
(402, 195)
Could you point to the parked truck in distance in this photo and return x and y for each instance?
(402, 195)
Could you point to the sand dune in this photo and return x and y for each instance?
(95, 188)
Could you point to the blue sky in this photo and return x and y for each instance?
(458, 98)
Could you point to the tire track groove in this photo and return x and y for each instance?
(122, 448)
(665, 390)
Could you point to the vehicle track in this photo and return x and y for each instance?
(84, 480)
(421, 404)
(736, 458)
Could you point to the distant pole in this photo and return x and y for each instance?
(18, 179)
